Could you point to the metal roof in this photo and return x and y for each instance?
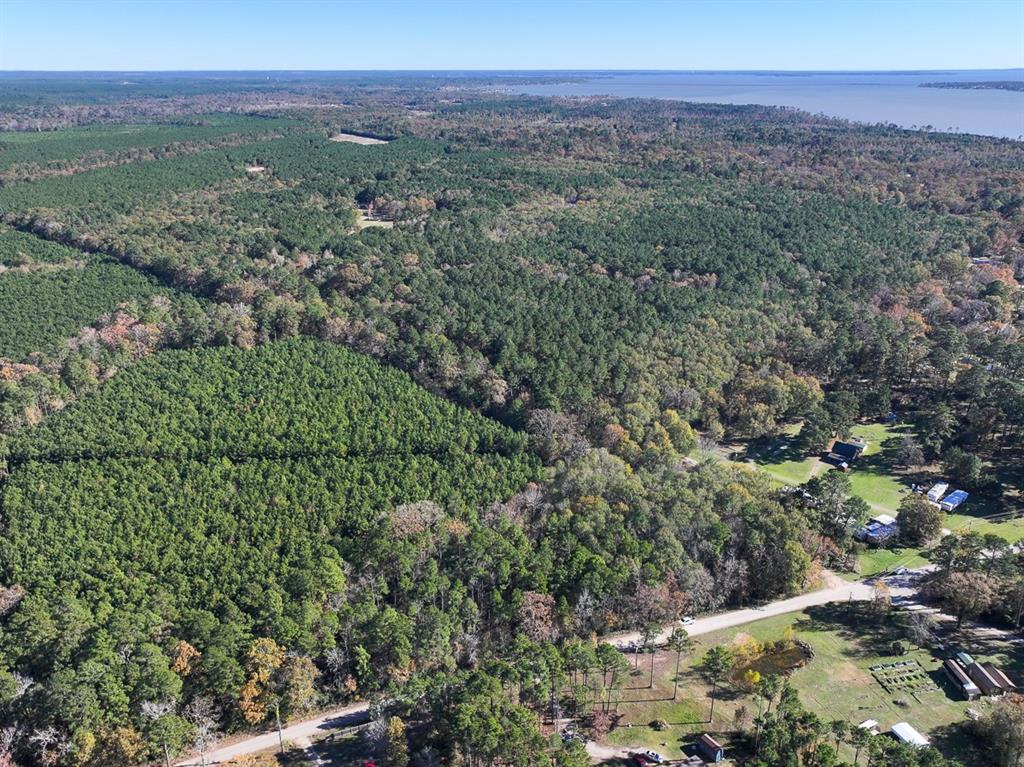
(908, 734)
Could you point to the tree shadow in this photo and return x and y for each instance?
(867, 633)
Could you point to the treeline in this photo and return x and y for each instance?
(28, 156)
(295, 398)
(39, 310)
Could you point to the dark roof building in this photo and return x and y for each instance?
(981, 677)
(958, 676)
(846, 452)
(1000, 678)
(711, 749)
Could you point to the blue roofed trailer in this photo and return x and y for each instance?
(953, 500)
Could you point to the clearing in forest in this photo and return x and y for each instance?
(352, 138)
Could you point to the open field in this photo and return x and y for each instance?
(837, 684)
(877, 480)
(352, 138)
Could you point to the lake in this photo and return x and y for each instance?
(868, 97)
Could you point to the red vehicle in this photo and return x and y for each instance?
(640, 760)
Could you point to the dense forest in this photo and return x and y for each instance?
(287, 420)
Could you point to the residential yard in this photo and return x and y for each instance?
(877, 480)
(837, 684)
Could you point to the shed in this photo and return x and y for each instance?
(710, 749)
(953, 500)
(1000, 678)
(958, 676)
(869, 725)
(938, 490)
(904, 733)
(984, 680)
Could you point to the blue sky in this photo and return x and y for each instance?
(559, 34)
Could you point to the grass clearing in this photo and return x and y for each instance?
(878, 480)
(837, 683)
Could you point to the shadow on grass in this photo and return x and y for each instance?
(957, 741)
(866, 633)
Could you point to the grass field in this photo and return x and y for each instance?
(882, 484)
(837, 684)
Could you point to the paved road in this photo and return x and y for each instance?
(300, 731)
(901, 588)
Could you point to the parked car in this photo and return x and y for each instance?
(653, 756)
(640, 760)
(686, 620)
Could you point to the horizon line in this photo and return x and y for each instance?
(300, 70)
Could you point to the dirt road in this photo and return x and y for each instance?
(300, 731)
(903, 588)
(838, 590)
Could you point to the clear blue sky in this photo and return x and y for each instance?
(559, 34)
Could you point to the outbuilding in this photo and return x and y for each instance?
(904, 733)
(710, 749)
(981, 677)
(999, 677)
(953, 500)
(958, 676)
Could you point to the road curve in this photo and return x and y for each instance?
(329, 720)
(838, 590)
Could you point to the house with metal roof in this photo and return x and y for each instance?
(843, 453)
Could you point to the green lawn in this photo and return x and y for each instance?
(878, 481)
(836, 684)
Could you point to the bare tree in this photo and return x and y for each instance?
(202, 713)
(51, 745)
(9, 736)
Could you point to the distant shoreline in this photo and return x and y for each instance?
(1016, 86)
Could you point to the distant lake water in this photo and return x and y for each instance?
(868, 97)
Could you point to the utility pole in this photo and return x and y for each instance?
(277, 715)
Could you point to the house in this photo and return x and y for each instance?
(958, 676)
(1000, 678)
(710, 749)
(981, 677)
(904, 733)
(938, 490)
(844, 453)
(953, 500)
(878, 530)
